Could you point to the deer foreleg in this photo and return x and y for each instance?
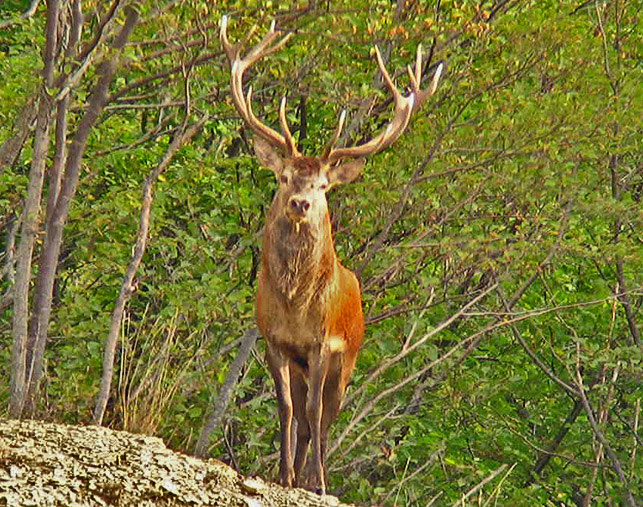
(318, 368)
(281, 374)
(299, 392)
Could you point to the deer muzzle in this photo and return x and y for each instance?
(298, 208)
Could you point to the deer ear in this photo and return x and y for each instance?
(346, 171)
(267, 155)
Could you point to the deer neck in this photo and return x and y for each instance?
(299, 259)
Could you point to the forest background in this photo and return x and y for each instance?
(499, 243)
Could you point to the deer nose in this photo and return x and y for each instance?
(301, 206)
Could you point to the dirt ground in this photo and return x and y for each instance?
(46, 464)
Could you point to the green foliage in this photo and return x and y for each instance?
(532, 145)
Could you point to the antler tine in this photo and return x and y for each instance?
(248, 36)
(436, 79)
(262, 49)
(232, 52)
(270, 135)
(292, 148)
(338, 131)
(241, 101)
(385, 75)
(416, 78)
(418, 65)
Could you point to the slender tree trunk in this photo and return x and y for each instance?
(30, 214)
(128, 287)
(24, 254)
(225, 393)
(43, 289)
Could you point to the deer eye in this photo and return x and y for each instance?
(284, 179)
(323, 186)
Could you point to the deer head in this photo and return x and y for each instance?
(304, 180)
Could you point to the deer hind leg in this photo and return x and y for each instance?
(299, 391)
(280, 371)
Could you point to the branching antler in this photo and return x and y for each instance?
(243, 104)
(404, 106)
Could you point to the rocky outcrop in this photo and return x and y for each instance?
(47, 464)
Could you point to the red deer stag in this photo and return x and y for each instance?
(309, 306)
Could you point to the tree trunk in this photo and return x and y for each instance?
(24, 254)
(225, 393)
(46, 272)
(30, 219)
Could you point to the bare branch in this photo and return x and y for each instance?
(545, 369)
(410, 348)
(225, 393)
(368, 430)
(29, 13)
(416, 472)
(481, 484)
(88, 54)
(160, 75)
(616, 464)
(11, 147)
(159, 130)
(127, 287)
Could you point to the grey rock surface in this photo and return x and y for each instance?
(48, 464)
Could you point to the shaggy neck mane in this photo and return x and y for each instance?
(300, 262)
